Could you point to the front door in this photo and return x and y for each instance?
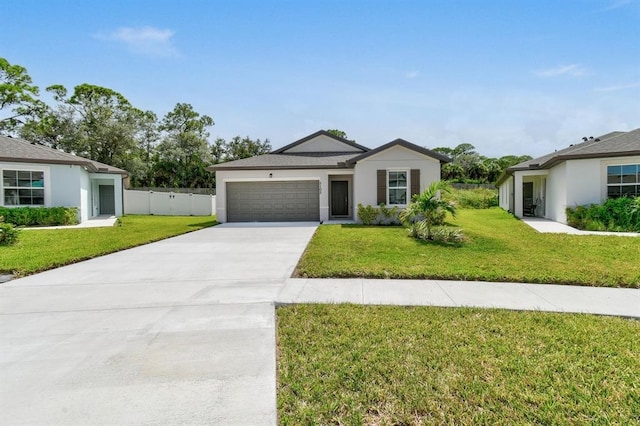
(107, 199)
(339, 198)
(528, 207)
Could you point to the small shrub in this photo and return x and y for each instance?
(40, 216)
(447, 234)
(367, 214)
(8, 233)
(444, 234)
(381, 215)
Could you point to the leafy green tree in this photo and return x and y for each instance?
(469, 166)
(183, 154)
(427, 210)
(18, 97)
(147, 137)
(452, 172)
(246, 147)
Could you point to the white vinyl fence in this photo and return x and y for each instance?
(168, 203)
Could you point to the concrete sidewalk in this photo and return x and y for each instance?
(543, 225)
(515, 296)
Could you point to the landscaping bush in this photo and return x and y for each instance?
(40, 216)
(8, 233)
(616, 214)
(443, 234)
(477, 198)
(427, 211)
(381, 215)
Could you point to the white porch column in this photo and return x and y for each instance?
(517, 194)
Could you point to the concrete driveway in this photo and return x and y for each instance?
(176, 332)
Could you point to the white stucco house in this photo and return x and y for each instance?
(34, 175)
(322, 177)
(585, 173)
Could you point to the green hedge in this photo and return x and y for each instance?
(40, 216)
(381, 215)
(616, 214)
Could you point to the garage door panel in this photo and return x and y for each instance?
(273, 201)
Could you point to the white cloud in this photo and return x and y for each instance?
(617, 4)
(412, 74)
(618, 87)
(573, 70)
(143, 40)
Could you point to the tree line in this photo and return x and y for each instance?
(101, 124)
(468, 166)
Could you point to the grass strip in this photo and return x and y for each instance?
(353, 365)
(39, 250)
(498, 247)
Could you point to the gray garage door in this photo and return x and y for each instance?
(273, 201)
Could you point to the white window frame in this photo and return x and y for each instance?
(18, 168)
(406, 188)
(621, 184)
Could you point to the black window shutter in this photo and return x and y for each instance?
(382, 187)
(415, 182)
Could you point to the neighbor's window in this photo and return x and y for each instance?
(623, 180)
(23, 188)
(397, 187)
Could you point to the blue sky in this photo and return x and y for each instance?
(510, 77)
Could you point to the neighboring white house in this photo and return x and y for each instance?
(322, 177)
(584, 173)
(38, 176)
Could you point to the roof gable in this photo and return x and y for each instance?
(405, 144)
(20, 150)
(321, 141)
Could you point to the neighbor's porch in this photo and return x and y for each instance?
(530, 193)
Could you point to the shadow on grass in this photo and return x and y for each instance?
(359, 226)
(206, 224)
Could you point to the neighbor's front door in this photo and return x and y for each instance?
(339, 198)
(107, 199)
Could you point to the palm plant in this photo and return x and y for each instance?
(427, 210)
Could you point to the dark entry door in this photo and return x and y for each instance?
(107, 199)
(528, 208)
(339, 198)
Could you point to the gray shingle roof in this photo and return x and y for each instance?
(20, 150)
(325, 160)
(614, 144)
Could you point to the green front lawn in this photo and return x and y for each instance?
(42, 249)
(352, 365)
(498, 248)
